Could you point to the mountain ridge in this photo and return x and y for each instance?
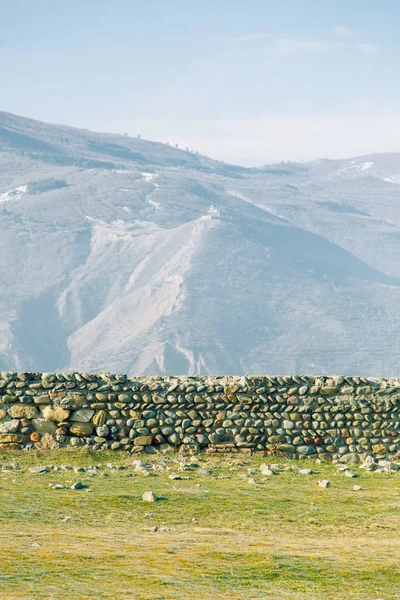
(19, 120)
(185, 265)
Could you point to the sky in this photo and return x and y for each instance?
(250, 83)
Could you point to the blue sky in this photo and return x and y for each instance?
(247, 82)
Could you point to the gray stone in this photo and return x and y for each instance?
(167, 430)
(349, 473)
(39, 470)
(202, 439)
(78, 486)
(324, 483)
(9, 426)
(350, 459)
(305, 449)
(287, 448)
(388, 466)
(266, 470)
(82, 415)
(149, 497)
(369, 464)
(102, 431)
(138, 465)
(74, 441)
(44, 425)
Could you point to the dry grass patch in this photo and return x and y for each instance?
(284, 538)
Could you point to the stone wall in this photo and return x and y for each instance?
(296, 416)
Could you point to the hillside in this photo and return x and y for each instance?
(126, 255)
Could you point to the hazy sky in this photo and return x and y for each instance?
(248, 82)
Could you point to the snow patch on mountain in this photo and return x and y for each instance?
(153, 203)
(14, 194)
(393, 179)
(148, 176)
(354, 167)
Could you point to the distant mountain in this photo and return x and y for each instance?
(126, 255)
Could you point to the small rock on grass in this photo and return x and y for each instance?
(305, 471)
(149, 497)
(369, 463)
(138, 465)
(145, 472)
(265, 470)
(350, 473)
(276, 467)
(204, 472)
(270, 469)
(40, 470)
(356, 488)
(386, 466)
(324, 483)
(78, 486)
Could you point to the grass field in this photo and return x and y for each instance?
(219, 536)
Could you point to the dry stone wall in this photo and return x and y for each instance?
(295, 416)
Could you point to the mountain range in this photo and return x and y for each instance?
(124, 255)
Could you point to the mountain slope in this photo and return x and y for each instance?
(126, 255)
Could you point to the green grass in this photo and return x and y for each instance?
(283, 539)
